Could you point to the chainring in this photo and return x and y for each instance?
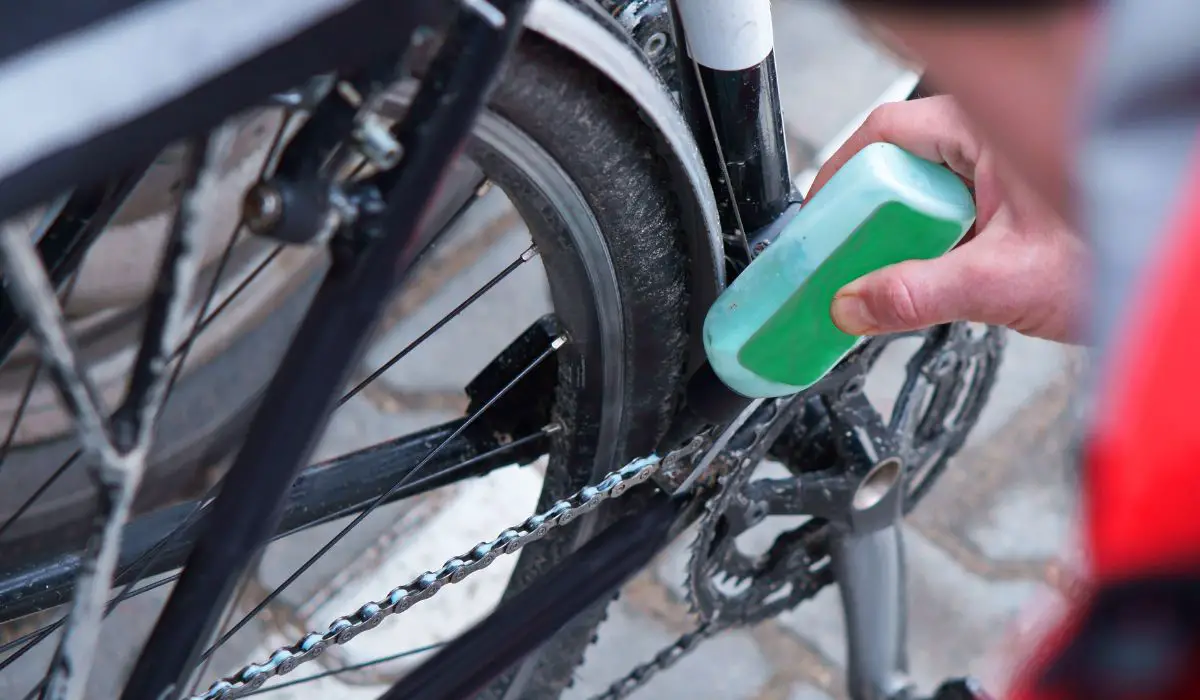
(828, 437)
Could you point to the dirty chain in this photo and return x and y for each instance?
(824, 436)
(733, 467)
(368, 616)
(286, 659)
(792, 561)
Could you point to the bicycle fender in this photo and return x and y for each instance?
(586, 31)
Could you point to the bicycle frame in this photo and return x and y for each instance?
(729, 95)
(733, 94)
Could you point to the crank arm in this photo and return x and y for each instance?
(867, 554)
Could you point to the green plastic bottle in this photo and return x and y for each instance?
(770, 332)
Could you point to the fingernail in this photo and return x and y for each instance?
(850, 313)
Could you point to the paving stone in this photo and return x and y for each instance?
(672, 565)
(1011, 497)
(728, 667)
(356, 425)
(804, 691)
(955, 617)
(819, 622)
(1029, 512)
(123, 634)
(459, 350)
(480, 510)
(1028, 523)
(1029, 366)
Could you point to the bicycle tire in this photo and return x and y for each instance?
(610, 160)
(593, 131)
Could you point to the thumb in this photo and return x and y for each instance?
(912, 295)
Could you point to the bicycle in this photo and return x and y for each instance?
(648, 171)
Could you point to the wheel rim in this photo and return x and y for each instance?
(502, 138)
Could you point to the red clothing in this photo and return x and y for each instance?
(1141, 483)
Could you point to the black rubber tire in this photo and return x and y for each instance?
(594, 133)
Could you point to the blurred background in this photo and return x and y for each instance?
(982, 546)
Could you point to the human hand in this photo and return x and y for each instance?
(1020, 266)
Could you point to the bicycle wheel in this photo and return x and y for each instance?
(578, 165)
(608, 156)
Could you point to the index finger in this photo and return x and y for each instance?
(932, 127)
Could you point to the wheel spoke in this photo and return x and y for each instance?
(203, 321)
(65, 242)
(151, 557)
(180, 354)
(529, 254)
(347, 669)
(382, 498)
(41, 489)
(32, 294)
(119, 442)
(146, 561)
(118, 446)
(149, 387)
(27, 393)
(22, 403)
(133, 421)
(37, 235)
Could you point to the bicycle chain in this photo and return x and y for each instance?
(737, 460)
(663, 660)
(800, 562)
(285, 659)
(368, 616)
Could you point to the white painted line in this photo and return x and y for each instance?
(896, 92)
